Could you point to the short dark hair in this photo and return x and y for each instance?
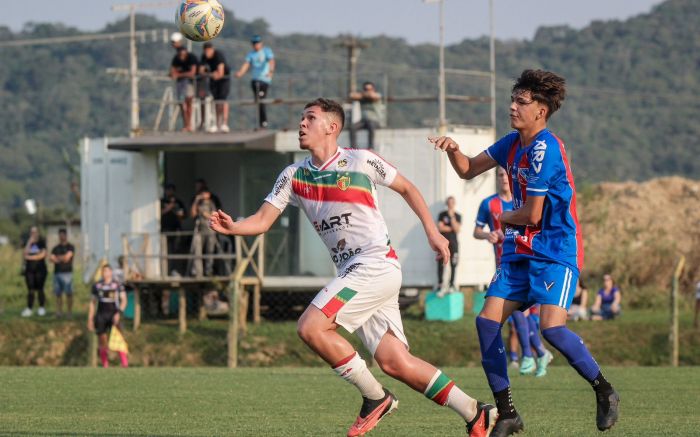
(545, 87)
(62, 231)
(169, 186)
(328, 105)
(364, 84)
(207, 45)
(181, 49)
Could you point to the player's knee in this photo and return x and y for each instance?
(307, 330)
(392, 367)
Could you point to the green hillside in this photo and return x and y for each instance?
(629, 113)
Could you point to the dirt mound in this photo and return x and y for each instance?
(637, 231)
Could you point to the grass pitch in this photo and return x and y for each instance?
(314, 402)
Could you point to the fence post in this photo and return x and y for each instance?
(674, 312)
(137, 308)
(234, 295)
(182, 310)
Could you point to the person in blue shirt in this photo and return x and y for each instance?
(542, 246)
(607, 301)
(261, 62)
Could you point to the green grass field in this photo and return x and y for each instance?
(314, 402)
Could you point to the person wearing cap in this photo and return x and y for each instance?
(214, 62)
(261, 61)
(183, 70)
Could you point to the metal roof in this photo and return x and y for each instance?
(198, 141)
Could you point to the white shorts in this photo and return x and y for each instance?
(365, 298)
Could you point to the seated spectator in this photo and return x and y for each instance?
(372, 110)
(607, 301)
(578, 309)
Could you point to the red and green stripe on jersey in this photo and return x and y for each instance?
(333, 186)
(338, 301)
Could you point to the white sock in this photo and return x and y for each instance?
(462, 404)
(441, 390)
(355, 372)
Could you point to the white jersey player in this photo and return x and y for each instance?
(336, 189)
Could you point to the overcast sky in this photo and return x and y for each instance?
(410, 19)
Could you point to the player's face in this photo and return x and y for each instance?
(502, 176)
(524, 111)
(313, 127)
(107, 274)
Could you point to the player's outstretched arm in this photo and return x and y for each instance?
(256, 224)
(466, 167)
(417, 203)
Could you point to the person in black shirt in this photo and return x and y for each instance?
(35, 271)
(200, 185)
(108, 300)
(183, 69)
(449, 224)
(172, 212)
(214, 62)
(62, 258)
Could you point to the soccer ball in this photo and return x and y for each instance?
(200, 20)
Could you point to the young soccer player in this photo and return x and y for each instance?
(336, 189)
(106, 305)
(542, 249)
(521, 322)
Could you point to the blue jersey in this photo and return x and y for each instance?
(489, 215)
(541, 169)
(259, 61)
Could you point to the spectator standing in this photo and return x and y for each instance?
(200, 185)
(261, 62)
(214, 62)
(172, 212)
(202, 209)
(108, 300)
(372, 110)
(449, 224)
(35, 271)
(697, 304)
(62, 258)
(183, 69)
(578, 309)
(607, 301)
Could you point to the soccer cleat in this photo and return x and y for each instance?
(485, 420)
(27, 312)
(514, 365)
(607, 410)
(542, 363)
(372, 412)
(506, 427)
(528, 366)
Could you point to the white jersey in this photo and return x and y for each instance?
(340, 200)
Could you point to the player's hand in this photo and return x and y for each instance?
(90, 325)
(493, 237)
(446, 144)
(500, 235)
(220, 222)
(441, 247)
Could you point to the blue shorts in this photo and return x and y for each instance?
(63, 283)
(535, 282)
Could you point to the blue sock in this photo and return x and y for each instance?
(535, 337)
(523, 330)
(493, 357)
(572, 347)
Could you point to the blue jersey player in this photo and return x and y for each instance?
(542, 248)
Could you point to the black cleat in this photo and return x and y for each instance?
(607, 410)
(506, 427)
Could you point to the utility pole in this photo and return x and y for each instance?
(442, 117)
(492, 63)
(133, 55)
(353, 46)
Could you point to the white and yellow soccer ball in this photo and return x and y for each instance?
(200, 20)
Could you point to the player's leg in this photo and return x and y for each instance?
(544, 357)
(513, 344)
(454, 259)
(507, 292)
(58, 293)
(556, 299)
(527, 365)
(440, 273)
